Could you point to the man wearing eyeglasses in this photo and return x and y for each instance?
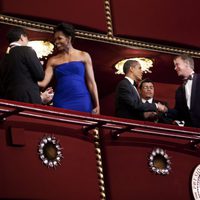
(146, 89)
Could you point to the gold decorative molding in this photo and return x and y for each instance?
(99, 164)
(106, 38)
(4, 19)
(108, 18)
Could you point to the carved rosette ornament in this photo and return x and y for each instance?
(159, 162)
(50, 151)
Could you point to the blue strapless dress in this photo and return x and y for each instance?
(71, 91)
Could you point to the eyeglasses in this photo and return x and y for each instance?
(148, 88)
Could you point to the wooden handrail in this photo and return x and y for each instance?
(90, 121)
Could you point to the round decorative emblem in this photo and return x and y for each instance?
(196, 183)
(50, 151)
(159, 162)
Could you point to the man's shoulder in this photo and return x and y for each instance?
(124, 81)
(197, 76)
(22, 48)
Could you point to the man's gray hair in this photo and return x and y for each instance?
(186, 58)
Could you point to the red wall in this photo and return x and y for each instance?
(172, 22)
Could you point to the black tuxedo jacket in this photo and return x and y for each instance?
(127, 102)
(20, 70)
(190, 116)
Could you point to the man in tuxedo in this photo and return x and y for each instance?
(20, 70)
(128, 103)
(146, 88)
(187, 100)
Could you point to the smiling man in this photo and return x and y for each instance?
(187, 102)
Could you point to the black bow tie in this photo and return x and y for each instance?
(135, 84)
(190, 77)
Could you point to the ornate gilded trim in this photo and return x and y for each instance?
(26, 23)
(108, 18)
(106, 38)
(99, 164)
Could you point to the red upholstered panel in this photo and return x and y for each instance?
(173, 21)
(129, 176)
(126, 172)
(24, 176)
(88, 13)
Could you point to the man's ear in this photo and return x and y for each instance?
(131, 68)
(21, 37)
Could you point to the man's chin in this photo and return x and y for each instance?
(179, 74)
(139, 78)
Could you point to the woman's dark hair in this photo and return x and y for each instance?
(67, 29)
(15, 33)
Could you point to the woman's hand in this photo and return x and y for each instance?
(96, 110)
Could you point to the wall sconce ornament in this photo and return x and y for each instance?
(42, 48)
(50, 151)
(159, 162)
(145, 63)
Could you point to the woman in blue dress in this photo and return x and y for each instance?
(75, 87)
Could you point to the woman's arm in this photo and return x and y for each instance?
(48, 74)
(91, 83)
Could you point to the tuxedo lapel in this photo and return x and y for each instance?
(193, 93)
(135, 91)
(132, 88)
(183, 95)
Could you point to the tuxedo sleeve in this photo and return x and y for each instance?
(34, 64)
(177, 112)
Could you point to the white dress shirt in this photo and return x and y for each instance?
(149, 100)
(11, 45)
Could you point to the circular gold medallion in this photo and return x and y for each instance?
(50, 151)
(159, 162)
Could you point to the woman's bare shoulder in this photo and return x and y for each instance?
(81, 53)
(53, 60)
